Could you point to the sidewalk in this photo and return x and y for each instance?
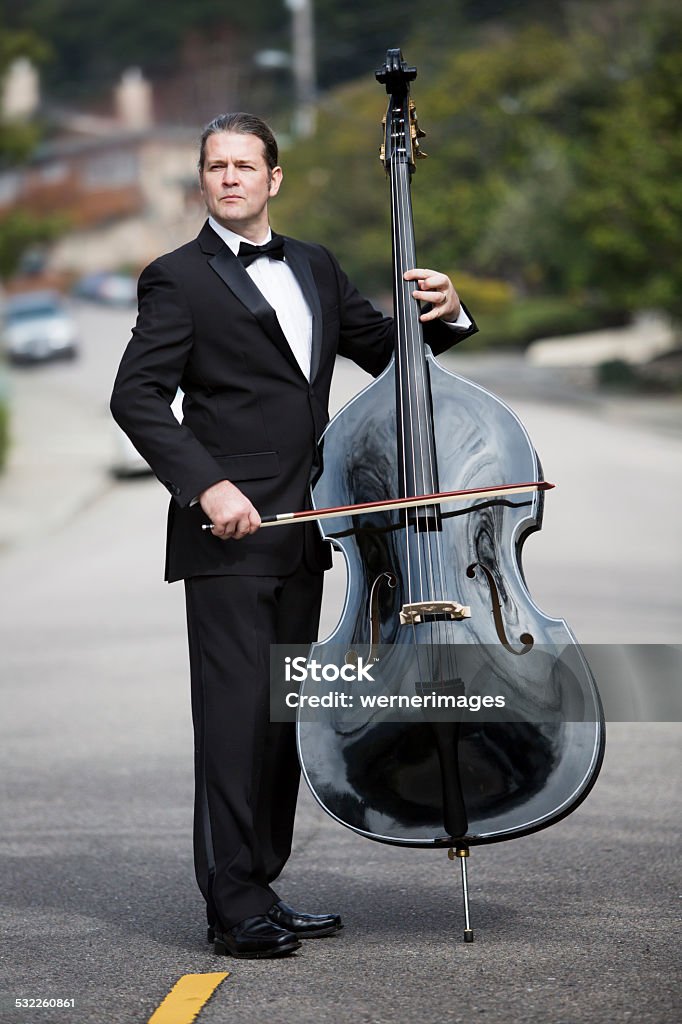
(515, 378)
(57, 462)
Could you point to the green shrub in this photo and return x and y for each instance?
(4, 432)
(617, 375)
(528, 318)
(487, 295)
(660, 376)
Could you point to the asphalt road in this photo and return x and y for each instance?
(579, 923)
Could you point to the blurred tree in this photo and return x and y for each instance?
(17, 137)
(334, 188)
(483, 113)
(353, 37)
(595, 203)
(628, 204)
(94, 42)
(20, 230)
(556, 161)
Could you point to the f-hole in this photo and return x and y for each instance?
(526, 639)
(352, 656)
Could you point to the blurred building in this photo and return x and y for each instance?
(123, 172)
(126, 186)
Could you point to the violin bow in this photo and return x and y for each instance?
(388, 504)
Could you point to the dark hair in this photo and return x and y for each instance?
(245, 124)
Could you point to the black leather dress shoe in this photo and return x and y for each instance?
(305, 926)
(256, 938)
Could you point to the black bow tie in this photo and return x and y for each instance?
(274, 249)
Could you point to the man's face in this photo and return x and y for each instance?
(236, 183)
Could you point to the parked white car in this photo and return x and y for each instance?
(107, 288)
(38, 326)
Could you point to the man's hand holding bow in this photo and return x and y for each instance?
(230, 511)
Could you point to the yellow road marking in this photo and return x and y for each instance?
(183, 1003)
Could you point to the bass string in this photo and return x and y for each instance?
(419, 441)
(412, 362)
(428, 546)
(400, 314)
(433, 544)
(405, 350)
(427, 543)
(430, 541)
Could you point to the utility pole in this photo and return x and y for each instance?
(303, 45)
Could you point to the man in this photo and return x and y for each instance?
(251, 339)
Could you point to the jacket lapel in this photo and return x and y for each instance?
(227, 266)
(298, 261)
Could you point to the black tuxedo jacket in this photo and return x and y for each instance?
(250, 415)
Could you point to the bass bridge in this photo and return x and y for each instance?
(433, 611)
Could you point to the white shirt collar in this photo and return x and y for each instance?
(232, 239)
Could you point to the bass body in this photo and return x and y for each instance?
(390, 780)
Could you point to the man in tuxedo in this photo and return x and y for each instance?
(250, 334)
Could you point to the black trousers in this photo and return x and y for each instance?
(246, 767)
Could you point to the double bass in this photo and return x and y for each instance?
(437, 604)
